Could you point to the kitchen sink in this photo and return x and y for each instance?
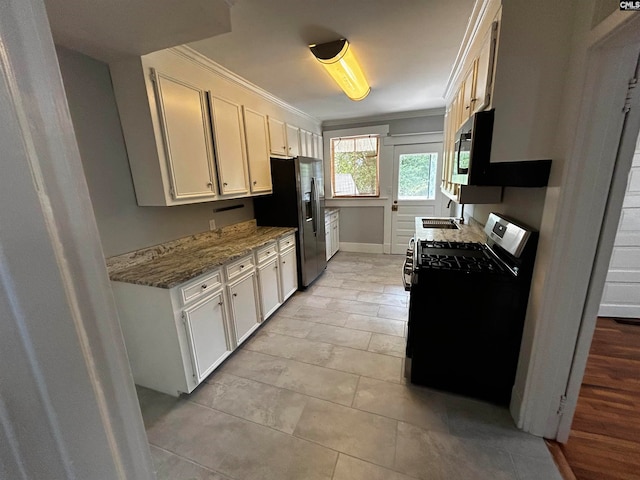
(446, 223)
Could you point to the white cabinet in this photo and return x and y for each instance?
(176, 337)
(257, 137)
(230, 146)
(317, 146)
(293, 140)
(187, 137)
(332, 232)
(277, 137)
(268, 279)
(306, 144)
(206, 326)
(288, 272)
(243, 295)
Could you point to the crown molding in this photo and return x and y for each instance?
(480, 8)
(432, 112)
(204, 61)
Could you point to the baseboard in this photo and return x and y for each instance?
(361, 247)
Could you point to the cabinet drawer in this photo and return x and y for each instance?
(267, 252)
(287, 242)
(200, 287)
(239, 267)
(334, 216)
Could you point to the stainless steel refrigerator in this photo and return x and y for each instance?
(298, 201)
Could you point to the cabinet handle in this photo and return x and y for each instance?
(209, 184)
(241, 266)
(225, 184)
(283, 262)
(235, 294)
(255, 182)
(204, 285)
(219, 303)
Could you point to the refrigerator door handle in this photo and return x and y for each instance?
(314, 212)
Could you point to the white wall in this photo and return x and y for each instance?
(123, 225)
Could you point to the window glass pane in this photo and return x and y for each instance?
(417, 176)
(355, 166)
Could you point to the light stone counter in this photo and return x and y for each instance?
(472, 232)
(172, 263)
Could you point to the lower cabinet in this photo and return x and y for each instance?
(332, 232)
(176, 337)
(269, 282)
(207, 331)
(244, 306)
(288, 272)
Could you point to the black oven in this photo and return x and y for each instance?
(467, 308)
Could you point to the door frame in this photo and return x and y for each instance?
(438, 201)
(68, 405)
(579, 222)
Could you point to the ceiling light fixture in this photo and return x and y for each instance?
(343, 67)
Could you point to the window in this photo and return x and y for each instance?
(354, 166)
(417, 176)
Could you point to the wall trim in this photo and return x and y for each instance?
(361, 247)
(204, 61)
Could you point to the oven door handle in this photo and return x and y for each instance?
(406, 272)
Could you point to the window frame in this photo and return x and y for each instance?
(378, 138)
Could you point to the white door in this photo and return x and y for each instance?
(257, 136)
(268, 278)
(621, 295)
(207, 332)
(230, 146)
(244, 306)
(288, 273)
(416, 189)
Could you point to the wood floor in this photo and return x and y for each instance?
(605, 437)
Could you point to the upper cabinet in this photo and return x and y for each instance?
(277, 137)
(257, 136)
(230, 146)
(293, 140)
(195, 132)
(186, 134)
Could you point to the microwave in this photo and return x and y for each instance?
(473, 149)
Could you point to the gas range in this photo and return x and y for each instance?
(464, 256)
(467, 307)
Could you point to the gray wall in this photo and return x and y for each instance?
(122, 224)
(362, 224)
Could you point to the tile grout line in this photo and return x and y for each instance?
(187, 459)
(335, 369)
(355, 393)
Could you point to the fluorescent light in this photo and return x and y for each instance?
(343, 67)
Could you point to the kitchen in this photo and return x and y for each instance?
(513, 198)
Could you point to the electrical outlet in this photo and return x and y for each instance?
(212, 224)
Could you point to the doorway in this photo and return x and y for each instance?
(416, 189)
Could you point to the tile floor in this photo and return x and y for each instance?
(318, 393)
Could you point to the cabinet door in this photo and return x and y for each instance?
(468, 93)
(207, 333)
(277, 137)
(288, 273)
(244, 306)
(304, 151)
(186, 134)
(257, 136)
(335, 240)
(484, 75)
(327, 239)
(268, 280)
(293, 141)
(317, 146)
(230, 146)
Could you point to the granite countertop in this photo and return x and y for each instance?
(179, 261)
(472, 232)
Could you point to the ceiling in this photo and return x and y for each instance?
(406, 47)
